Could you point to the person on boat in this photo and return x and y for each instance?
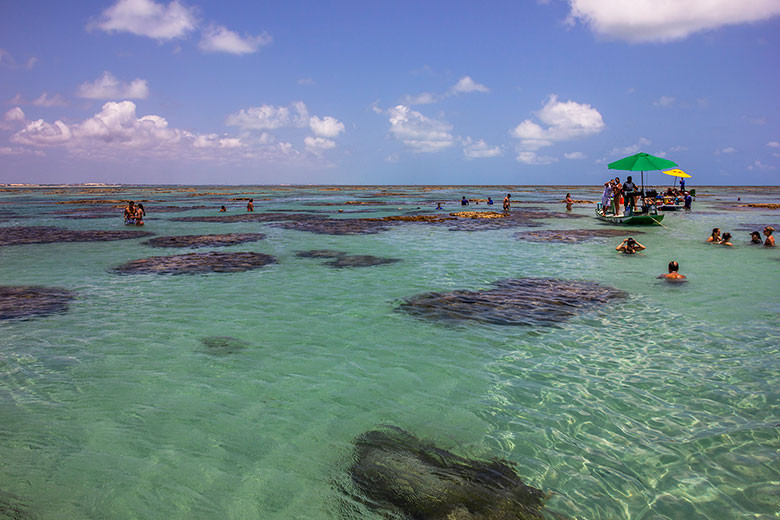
(770, 240)
(568, 201)
(630, 246)
(682, 184)
(629, 192)
(605, 196)
(222, 209)
(464, 201)
(726, 240)
(490, 201)
(250, 206)
(715, 236)
(673, 275)
(755, 238)
(617, 189)
(507, 202)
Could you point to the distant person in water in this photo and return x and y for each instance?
(250, 206)
(569, 202)
(464, 201)
(222, 209)
(630, 246)
(490, 201)
(726, 240)
(508, 202)
(673, 275)
(770, 240)
(715, 236)
(688, 200)
(130, 213)
(140, 213)
(438, 206)
(755, 238)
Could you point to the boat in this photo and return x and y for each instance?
(651, 218)
(671, 207)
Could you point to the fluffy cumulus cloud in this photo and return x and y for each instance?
(217, 38)
(13, 118)
(665, 20)
(561, 121)
(147, 18)
(318, 144)
(534, 158)
(466, 85)
(44, 100)
(326, 127)
(479, 149)
(108, 86)
(417, 132)
(269, 117)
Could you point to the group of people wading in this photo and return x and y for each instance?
(134, 214)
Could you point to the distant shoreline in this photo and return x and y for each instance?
(102, 185)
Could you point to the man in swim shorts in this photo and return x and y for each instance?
(673, 275)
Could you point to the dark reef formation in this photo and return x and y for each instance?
(571, 235)
(196, 263)
(522, 301)
(400, 476)
(342, 260)
(251, 217)
(228, 239)
(30, 301)
(16, 235)
(223, 345)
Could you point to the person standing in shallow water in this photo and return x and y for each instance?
(673, 275)
(250, 206)
(770, 240)
(507, 202)
(569, 202)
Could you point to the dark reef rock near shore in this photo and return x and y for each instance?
(326, 226)
(223, 345)
(228, 239)
(342, 260)
(522, 301)
(400, 476)
(16, 235)
(320, 253)
(196, 263)
(570, 235)
(30, 301)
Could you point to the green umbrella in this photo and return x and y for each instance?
(641, 162)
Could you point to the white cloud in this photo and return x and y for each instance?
(758, 165)
(729, 149)
(773, 144)
(45, 101)
(564, 121)
(678, 148)
(574, 155)
(426, 98)
(109, 87)
(13, 118)
(217, 38)
(317, 144)
(326, 127)
(532, 158)
(466, 85)
(664, 101)
(215, 141)
(147, 18)
(269, 117)
(631, 149)
(417, 132)
(18, 150)
(479, 149)
(667, 20)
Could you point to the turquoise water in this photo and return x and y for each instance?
(666, 405)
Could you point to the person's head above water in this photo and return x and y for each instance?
(674, 267)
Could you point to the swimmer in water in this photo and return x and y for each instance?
(715, 236)
(673, 275)
(222, 209)
(250, 206)
(630, 246)
(726, 240)
(755, 238)
(770, 240)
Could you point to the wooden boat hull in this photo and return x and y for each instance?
(632, 220)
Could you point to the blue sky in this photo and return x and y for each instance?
(515, 92)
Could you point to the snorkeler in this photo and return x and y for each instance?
(630, 246)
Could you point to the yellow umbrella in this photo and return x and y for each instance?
(677, 173)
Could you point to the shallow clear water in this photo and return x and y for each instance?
(666, 405)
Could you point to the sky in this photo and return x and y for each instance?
(387, 92)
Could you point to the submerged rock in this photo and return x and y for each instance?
(251, 217)
(523, 301)
(16, 235)
(570, 235)
(401, 476)
(320, 253)
(342, 259)
(197, 263)
(223, 345)
(327, 226)
(228, 239)
(30, 301)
